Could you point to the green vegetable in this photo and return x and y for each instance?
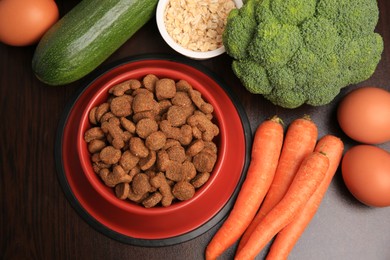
(86, 36)
(303, 51)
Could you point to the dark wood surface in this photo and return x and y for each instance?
(38, 222)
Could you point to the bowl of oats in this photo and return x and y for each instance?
(194, 28)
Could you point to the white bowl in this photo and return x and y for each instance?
(197, 55)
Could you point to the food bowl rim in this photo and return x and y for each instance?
(126, 205)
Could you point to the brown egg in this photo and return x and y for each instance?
(366, 173)
(23, 22)
(364, 115)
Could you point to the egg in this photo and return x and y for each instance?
(23, 22)
(364, 115)
(366, 173)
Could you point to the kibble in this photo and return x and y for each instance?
(143, 143)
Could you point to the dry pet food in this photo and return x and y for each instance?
(152, 141)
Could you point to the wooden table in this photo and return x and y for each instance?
(38, 222)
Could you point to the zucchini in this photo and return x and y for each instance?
(86, 36)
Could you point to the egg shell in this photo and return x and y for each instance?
(364, 115)
(23, 22)
(366, 173)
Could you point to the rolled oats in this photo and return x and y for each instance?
(197, 25)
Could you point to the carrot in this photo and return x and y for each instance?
(300, 140)
(286, 239)
(266, 147)
(309, 176)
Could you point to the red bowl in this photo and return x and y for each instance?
(127, 221)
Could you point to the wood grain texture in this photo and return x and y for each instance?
(37, 221)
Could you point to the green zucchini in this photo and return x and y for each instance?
(86, 36)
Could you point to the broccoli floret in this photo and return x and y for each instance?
(274, 44)
(285, 84)
(293, 12)
(357, 57)
(352, 18)
(320, 36)
(291, 97)
(303, 51)
(253, 75)
(239, 31)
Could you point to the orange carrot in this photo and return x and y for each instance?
(300, 140)
(286, 239)
(309, 176)
(266, 147)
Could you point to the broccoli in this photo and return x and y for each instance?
(303, 51)
(241, 27)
